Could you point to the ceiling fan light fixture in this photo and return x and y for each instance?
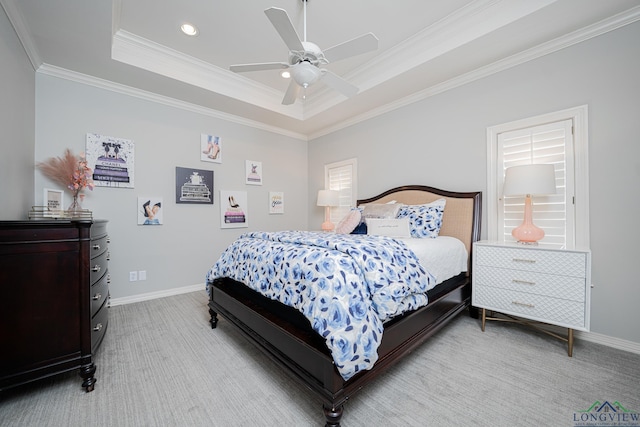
(189, 29)
(285, 74)
(305, 74)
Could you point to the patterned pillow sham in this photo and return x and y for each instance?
(424, 220)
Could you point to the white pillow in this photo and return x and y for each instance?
(349, 222)
(386, 210)
(388, 227)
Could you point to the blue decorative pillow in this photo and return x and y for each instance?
(424, 220)
(360, 228)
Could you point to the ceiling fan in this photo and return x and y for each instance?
(306, 58)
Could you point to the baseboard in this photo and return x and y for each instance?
(618, 343)
(159, 294)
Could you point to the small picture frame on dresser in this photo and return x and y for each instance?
(53, 202)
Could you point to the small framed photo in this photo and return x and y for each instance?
(210, 148)
(253, 172)
(53, 202)
(276, 202)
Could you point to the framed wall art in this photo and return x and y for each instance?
(210, 148)
(150, 211)
(112, 160)
(194, 186)
(233, 209)
(276, 202)
(253, 172)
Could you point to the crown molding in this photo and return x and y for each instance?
(17, 21)
(85, 79)
(613, 23)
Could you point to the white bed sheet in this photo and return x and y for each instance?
(444, 256)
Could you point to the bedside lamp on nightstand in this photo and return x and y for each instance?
(327, 198)
(528, 180)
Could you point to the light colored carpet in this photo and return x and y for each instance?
(162, 365)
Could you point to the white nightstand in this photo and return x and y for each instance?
(551, 286)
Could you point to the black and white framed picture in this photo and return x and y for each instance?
(194, 186)
(210, 148)
(233, 209)
(253, 172)
(150, 210)
(53, 202)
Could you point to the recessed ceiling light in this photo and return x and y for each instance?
(285, 74)
(189, 29)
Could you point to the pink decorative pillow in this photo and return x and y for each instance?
(349, 222)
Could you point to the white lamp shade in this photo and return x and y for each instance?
(328, 198)
(530, 179)
(305, 74)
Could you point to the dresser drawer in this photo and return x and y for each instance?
(98, 246)
(99, 326)
(564, 287)
(570, 314)
(99, 293)
(98, 267)
(545, 261)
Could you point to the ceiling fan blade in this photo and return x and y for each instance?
(362, 44)
(338, 83)
(243, 68)
(280, 20)
(292, 93)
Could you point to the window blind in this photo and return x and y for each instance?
(341, 176)
(545, 144)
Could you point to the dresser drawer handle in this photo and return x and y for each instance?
(96, 297)
(524, 304)
(530, 261)
(96, 247)
(108, 256)
(523, 282)
(98, 327)
(96, 268)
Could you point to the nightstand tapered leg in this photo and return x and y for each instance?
(570, 341)
(484, 318)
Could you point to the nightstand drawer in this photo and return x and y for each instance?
(569, 288)
(570, 314)
(544, 261)
(99, 266)
(99, 293)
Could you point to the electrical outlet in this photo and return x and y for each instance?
(133, 276)
(142, 275)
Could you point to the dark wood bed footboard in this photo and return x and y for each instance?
(285, 336)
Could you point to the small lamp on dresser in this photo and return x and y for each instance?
(327, 198)
(529, 180)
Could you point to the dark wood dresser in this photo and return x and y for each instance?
(54, 288)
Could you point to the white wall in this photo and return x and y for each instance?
(180, 252)
(17, 100)
(441, 141)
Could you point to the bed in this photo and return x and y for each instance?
(286, 336)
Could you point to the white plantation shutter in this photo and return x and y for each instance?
(342, 176)
(550, 143)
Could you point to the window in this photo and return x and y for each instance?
(342, 176)
(559, 139)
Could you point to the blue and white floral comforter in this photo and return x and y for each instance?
(346, 285)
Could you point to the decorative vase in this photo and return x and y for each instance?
(75, 208)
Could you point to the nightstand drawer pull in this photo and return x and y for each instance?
(97, 327)
(96, 268)
(97, 296)
(523, 282)
(529, 261)
(524, 304)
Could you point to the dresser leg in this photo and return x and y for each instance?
(570, 341)
(484, 318)
(87, 373)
